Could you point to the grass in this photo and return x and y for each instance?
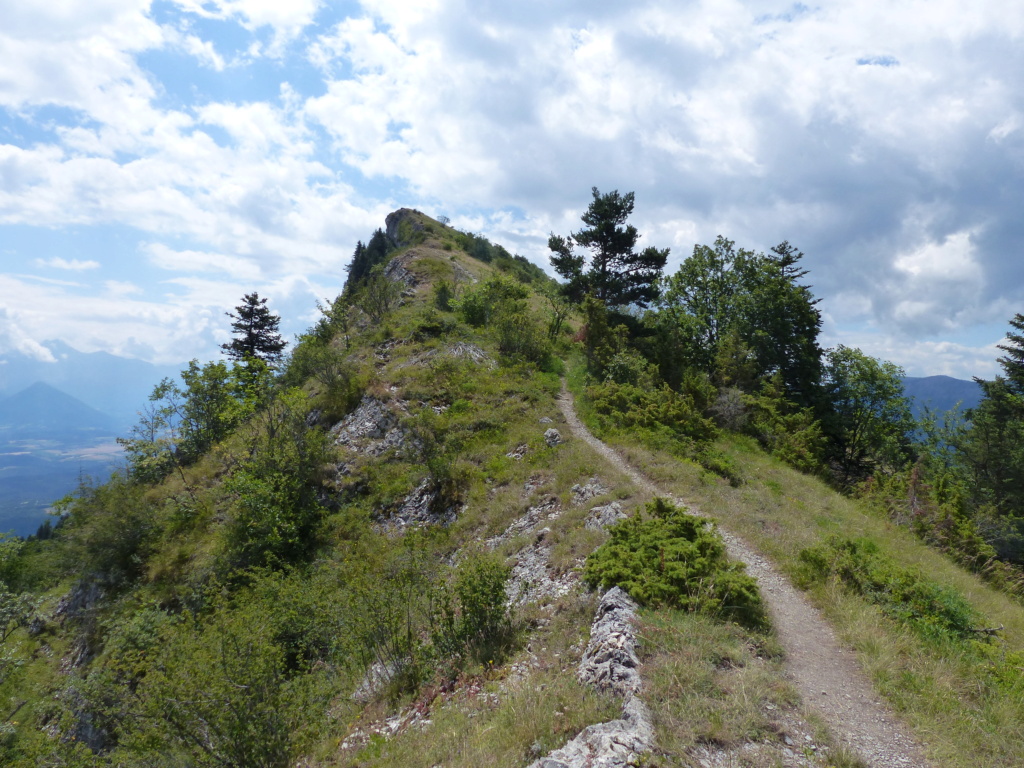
(500, 718)
(964, 699)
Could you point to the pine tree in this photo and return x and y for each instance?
(365, 258)
(255, 331)
(617, 275)
(1013, 361)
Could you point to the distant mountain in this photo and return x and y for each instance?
(116, 386)
(49, 441)
(44, 411)
(940, 393)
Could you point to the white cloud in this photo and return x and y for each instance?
(883, 140)
(118, 289)
(201, 261)
(73, 265)
(287, 19)
(12, 337)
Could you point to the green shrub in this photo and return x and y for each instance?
(788, 432)
(903, 593)
(663, 556)
(519, 336)
(111, 530)
(471, 619)
(444, 293)
(215, 695)
(480, 305)
(627, 406)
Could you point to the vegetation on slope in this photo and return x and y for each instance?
(253, 589)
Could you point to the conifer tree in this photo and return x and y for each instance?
(365, 258)
(255, 329)
(1013, 361)
(616, 275)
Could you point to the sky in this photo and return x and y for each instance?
(160, 159)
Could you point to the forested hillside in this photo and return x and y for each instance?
(385, 544)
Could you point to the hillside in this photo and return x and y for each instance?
(49, 441)
(434, 537)
(44, 411)
(940, 393)
(116, 386)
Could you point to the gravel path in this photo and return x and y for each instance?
(828, 677)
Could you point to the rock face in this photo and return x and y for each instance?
(393, 226)
(424, 506)
(372, 428)
(603, 516)
(610, 663)
(584, 493)
(397, 271)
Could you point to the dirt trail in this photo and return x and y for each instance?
(828, 677)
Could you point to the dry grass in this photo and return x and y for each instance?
(965, 702)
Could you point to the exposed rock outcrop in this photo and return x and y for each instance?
(400, 224)
(605, 515)
(372, 428)
(584, 493)
(424, 506)
(610, 663)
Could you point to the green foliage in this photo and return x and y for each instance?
(364, 260)
(616, 274)
(740, 316)
(338, 382)
(182, 423)
(930, 502)
(663, 556)
(277, 509)
(500, 304)
(658, 411)
(993, 449)
(109, 530)
(480, 306)
(783, 429)
(444, 294)
(471, 621)
(379, 295)
(216, 694)
(517, 267)
(903, 593)
(255, 331)
(867, 417)
(16, 611)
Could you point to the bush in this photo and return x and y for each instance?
(790, 433)
(472, 621)
(481, 305)
(216, 696)
(663, 556)
(903, 593)
(627, 406)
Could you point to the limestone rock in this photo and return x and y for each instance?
(605, 515)
(584, 493)
(553, 437)
(372, 428)
(610, 662)
(518, 452)
(393, 225)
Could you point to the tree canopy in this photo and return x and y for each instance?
(737, 314)
(614, 272)
(365, 258)
(868, 421)
(254, 327)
